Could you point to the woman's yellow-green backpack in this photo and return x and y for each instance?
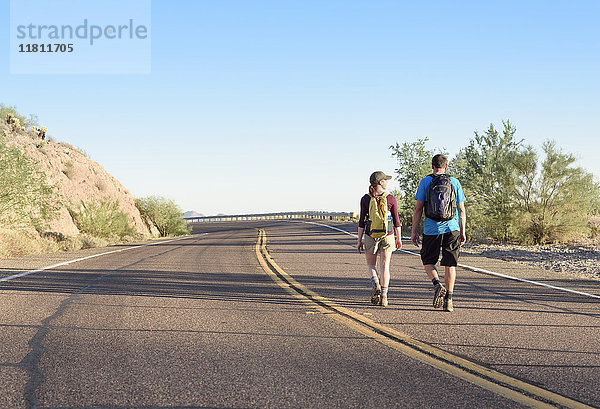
(379, 220)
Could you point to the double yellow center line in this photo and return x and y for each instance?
(501, 384)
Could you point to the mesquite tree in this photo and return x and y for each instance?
(414, 163)
(511, 196)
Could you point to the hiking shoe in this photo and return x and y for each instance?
(438, 297)
(383, 301)
(448, 305)
(376, 295)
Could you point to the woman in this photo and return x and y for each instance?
(377, 240)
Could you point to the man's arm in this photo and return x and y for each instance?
(462, 222)
(415, 222)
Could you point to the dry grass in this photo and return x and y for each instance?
(19, 243)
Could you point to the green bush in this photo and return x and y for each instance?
(26, 198)
(165, 214)
(512, 196)
(102, 219)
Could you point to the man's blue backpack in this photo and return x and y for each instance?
(440, 202)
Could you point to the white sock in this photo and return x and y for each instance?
(374, 276)
(384, 291)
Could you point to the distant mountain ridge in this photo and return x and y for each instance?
(192, 213)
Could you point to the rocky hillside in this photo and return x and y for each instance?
(76, 178)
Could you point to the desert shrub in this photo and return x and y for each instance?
(57, 237)
(89, 241)
(69, 170)
(70, 244)
(64, 242)
(26, 198)
(165, 214)
(102, 219)
(10, 116)
(82, 241)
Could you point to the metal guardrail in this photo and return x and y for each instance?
(339, 216)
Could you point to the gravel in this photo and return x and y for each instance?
(571, 260)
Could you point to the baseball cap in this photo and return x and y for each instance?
(378, 176)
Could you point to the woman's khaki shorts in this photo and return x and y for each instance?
(387, 244)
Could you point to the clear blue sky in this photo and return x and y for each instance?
(256, 106)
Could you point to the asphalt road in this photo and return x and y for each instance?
(197, 323)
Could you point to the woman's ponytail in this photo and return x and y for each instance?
(372, 191)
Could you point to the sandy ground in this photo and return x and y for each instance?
(575, 260)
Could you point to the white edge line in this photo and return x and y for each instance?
(475, 269)
(64, 263)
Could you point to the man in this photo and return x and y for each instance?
(445, 235)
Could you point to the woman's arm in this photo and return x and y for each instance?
(359, 244)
